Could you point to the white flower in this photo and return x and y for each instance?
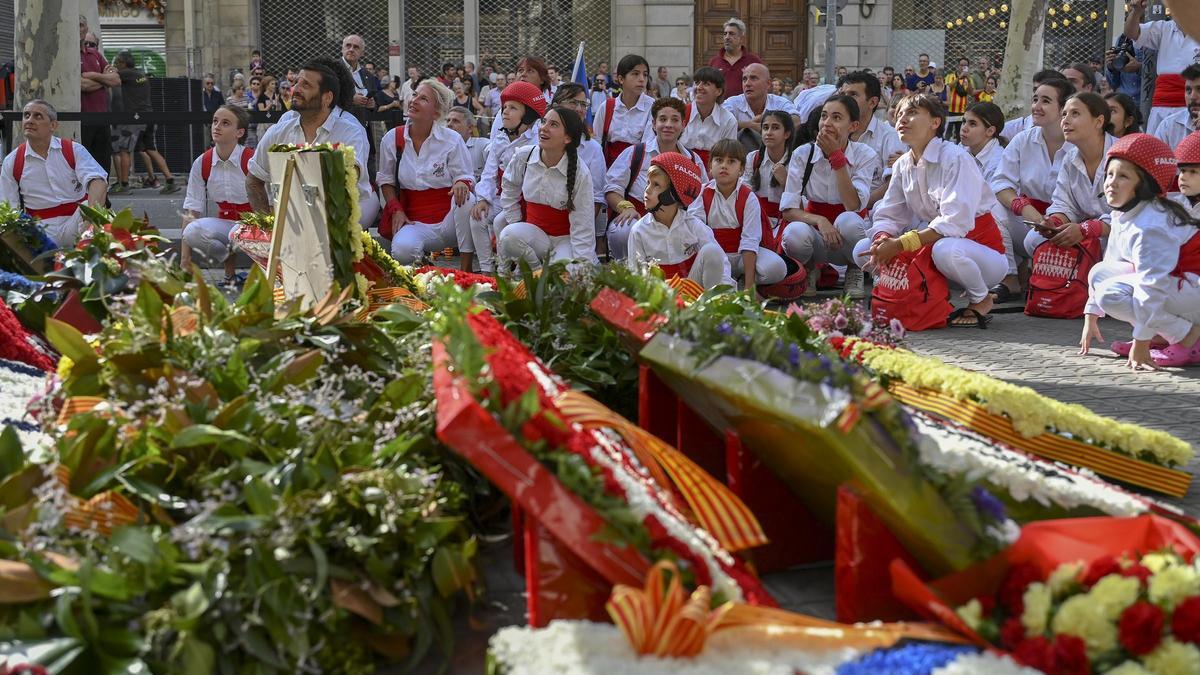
(985, 663)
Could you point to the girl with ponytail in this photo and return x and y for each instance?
(1149, 275)
(767, 167)
(546, 198)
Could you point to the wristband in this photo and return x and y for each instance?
(393, 207)
(1019, 204)
(880, 235)
(624, 205)
(1092, 229)
(911, 240)
(1056, 220)
(837, 160)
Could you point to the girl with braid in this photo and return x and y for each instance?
(767, 167)
(546, 196)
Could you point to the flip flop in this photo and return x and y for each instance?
(981, 320)
(1003, 293)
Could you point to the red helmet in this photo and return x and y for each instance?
(526, 94)
(1151, 154)
(684, 175)
(1188, 150)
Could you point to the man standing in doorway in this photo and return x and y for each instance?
(353, 47)
(734, 57)
(95, 79)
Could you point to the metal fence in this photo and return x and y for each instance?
(1075, 31)
(511, 29)
(433, 34)
(289, 38)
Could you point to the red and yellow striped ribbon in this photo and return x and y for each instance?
(77, 405)
(659, 619)
(714, 507)
(103, 512)
(685, 287)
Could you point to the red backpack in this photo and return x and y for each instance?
(911, 290)
(68, 152)
(1058, 287)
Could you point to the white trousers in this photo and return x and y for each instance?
(805, 244)
(769, 268)
(528, 242)
(1112, 283)
(209, 239)
(711, 267)
(971, 265)
(482, 231)
(414, 240)
(618, 240)
(64, 230)
(368, 207)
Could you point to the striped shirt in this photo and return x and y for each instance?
(956, 103)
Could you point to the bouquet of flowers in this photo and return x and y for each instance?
(842, 317)
(23, 243)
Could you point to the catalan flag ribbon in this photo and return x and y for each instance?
(659, 619)
(714, 507)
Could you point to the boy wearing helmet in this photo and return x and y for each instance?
(1149, 275)
(681, 244)
(1187, 152)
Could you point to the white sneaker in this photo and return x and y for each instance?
(853, 284)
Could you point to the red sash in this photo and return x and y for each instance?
(426, 206)
(730, 238)
(986, 232)
(679, 269)
(232, 210)
(1168, 91)
(552, 221)
(613, 149)
(67, 209)
(769, 209)
(499, 179)
(1189, 258)
(827, 211)
(704, 155)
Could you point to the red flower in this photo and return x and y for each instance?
(1185, 625)
(1012, 633)
(461, 278)
(1138, 570)
(1070, 656)
(1013, 588)
(987, 604)
(1036, 652)
(15, 342)
(1098, 569)
(1140, 628)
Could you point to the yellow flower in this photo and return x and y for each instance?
(1172, 585)
(64, 367)
(1037, 609)
(1157, 562)
(1080, 617)
(1113, 594)
(1173, 658)
(1129, 668)
(1062, 578)
(971, 613)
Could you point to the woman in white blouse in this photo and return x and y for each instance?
(980, 132)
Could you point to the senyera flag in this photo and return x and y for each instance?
(579, 76)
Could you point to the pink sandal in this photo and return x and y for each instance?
(1176, 356)
(1121, 348)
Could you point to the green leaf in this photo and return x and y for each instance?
(259, 497)
(148, 306)
(451, 570)
(189, 604)
(69, 342)
(199, 435)
(151, 492)
(196, 657)
(136, 543)
(321, 561)
(12, 458)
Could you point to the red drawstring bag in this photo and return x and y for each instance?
(911, 290)
(1058, 287)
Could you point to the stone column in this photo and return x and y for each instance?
(46, 49)
(670, 31)
(1022, 56)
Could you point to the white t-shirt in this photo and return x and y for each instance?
(226, 182)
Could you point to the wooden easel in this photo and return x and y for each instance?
(281, 208)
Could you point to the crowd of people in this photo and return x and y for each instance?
(1071, 207)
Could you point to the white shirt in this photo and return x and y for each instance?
(1176, 50)
(811, 99)
(1016, 126)
(822, 182)
(407, 92)
(988, 159)
(1193, 209)
(442, 161)
(765, 190)
(944, 189)
(500, 151)
(723, 214)
(629, 125)
(1027, 168)
(226, 182)
(702, 134)
(1147, 238)
(592, 154)
(742, 112)
(618, 174)
(354, 72)
(1175, 127)
(883, 139)
(340, 127)
(49, 181)
(650, 240)
(1077, 195)
(527, 177)
(477, 148)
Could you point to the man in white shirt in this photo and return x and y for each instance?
(749, 106)
(873, 132)
(1176, 126)
(409, 88)
(1176, 51)
(316, 117)
(463, 121)
(48, 177)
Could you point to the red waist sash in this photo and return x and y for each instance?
(1189, 258)
(1168, 91)
(986, 232)
(232, 210)
(426, 206)
(728, 237)
(827, 211)
(499, 180)
(612, 150)
(67, 209)
(769, 209)
(552, 221)
(679, 269)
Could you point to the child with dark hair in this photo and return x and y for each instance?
(626, 119)
(767, 168)
(1149, 275)
(574, 97)
(705, 121)
(218, 176)
(1126, 117)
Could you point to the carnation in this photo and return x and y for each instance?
(1173, 658)
(1080, 616)
(1140, 628)
(1185, 624)
(1037, 601)
(1158, 562)
(1129, 668)
(1063, 578)
(1172, 585)
(971, 614)
(1098, 569)
(1114, 593)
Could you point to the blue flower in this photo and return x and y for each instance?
(916, 658)
(987, 503)
(794, 355)
(724, 328)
